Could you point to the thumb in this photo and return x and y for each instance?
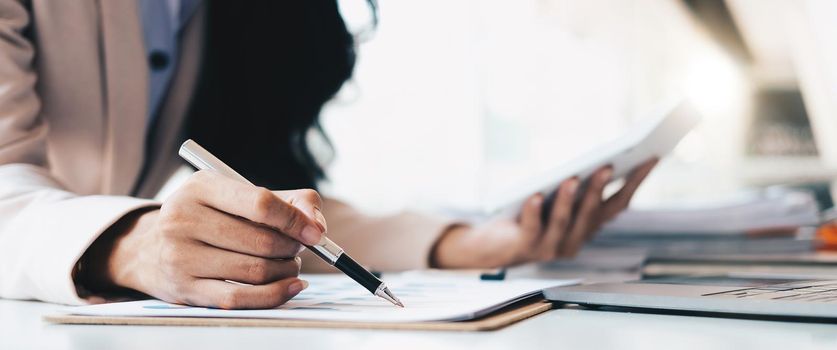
(308, 202)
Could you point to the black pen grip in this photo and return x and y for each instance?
(352, 269)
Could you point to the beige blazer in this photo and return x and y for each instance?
(73, 107)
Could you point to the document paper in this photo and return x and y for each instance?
(652, 138)
(338, 298)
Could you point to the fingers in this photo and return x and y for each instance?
(226, 295)
(225, 265)
(530, 221)
(620, 200)
(255, 204)
(235, 234)
(559, 220)
(587, 216)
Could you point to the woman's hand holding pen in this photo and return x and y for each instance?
(530, 238)
(211, 231)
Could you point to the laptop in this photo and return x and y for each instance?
(757, 296)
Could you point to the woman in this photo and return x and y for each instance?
(95, 97)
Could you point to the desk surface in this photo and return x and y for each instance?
(21, 327)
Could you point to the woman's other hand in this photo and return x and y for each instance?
(530, 238)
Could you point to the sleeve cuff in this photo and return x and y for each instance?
(57, 234)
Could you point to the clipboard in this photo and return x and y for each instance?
(506, 316)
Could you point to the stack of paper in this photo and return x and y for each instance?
(743, 212)
(808, 265)
(767, 221)
(337, 298)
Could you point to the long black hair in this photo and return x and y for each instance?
(268, 68)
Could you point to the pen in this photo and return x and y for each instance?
(329, 251)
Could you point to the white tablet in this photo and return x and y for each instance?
(654, 137)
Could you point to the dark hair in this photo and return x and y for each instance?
(268, 68)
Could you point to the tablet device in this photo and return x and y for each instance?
(653, 137)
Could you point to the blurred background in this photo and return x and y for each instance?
(452, 100)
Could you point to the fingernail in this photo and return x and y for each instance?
(536, 200)
(572, 186)
(311, 235)
(297, 287)
(318, 215)
(606, 174)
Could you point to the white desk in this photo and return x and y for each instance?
(21, 327)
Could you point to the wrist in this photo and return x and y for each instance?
(105, 268)
(447, 251)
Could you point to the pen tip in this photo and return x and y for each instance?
(386, 294)
(396, 301)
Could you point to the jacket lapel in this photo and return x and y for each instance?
(125, 92)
